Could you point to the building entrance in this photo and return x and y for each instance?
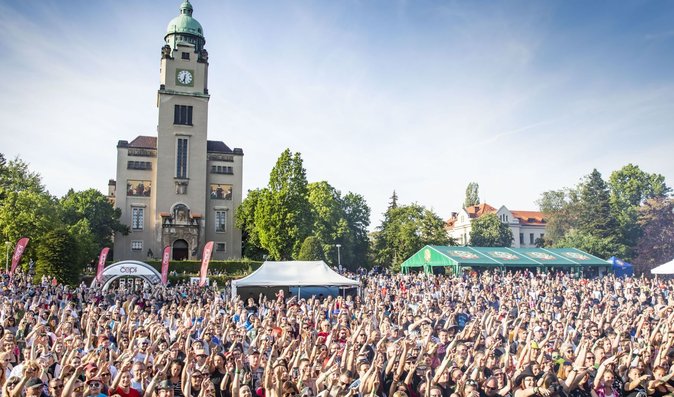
(180, 250)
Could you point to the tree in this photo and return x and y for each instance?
(265, 215)
(16, 177)
(283, 214)
(603, 247)
(26, 208)
(393, 202)
(656, 243)
(87, 245)
(312, 250)
(27, 213)
(597, 229)
(630, 187)
(102, 218)
(404, 231)
(472, 195)
(489, 231)
(245, 221)
(356, 243)
(57, 257)
(560, 209)
(595, 217)
(329, 225)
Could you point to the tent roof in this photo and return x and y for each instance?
(499, 256)
(667, 268)
(619, 263)
(294, 274)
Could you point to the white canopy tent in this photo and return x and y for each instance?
(293, 274)
(667, 268)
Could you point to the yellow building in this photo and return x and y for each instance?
(179, 189)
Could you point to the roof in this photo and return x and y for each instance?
(184, 23)
(144, 142)
(217, 147)
(476, 211)
(293, 274)
(501, 257)
(526, 218)
(529, 217)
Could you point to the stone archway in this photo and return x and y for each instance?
(181, 250)
(128, 268)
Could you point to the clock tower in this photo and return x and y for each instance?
(181, 189)
(182, 101)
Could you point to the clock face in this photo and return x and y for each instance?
(184, 77)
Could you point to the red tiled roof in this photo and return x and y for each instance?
(529, 217)
(144, 142)
(476, 211)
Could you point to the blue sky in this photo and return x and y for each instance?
(420, 97)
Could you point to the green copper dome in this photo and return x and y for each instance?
(184, 23)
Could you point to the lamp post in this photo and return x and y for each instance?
(339, 258)
(7, 244)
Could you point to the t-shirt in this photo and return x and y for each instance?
(132, 392)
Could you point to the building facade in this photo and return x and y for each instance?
(178, 188)
(526, 226)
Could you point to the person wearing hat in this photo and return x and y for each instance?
(34, 387)
(165, 389)
(94, 387)
(525, 384)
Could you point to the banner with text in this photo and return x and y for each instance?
(165, 259)
(101, 264)
(205, 258)
(18, 253)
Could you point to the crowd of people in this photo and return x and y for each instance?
(488, 334)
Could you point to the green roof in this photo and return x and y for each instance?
(462, 256)
(184, 23)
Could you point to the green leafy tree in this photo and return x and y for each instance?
(489, 231)
(88, 246)
(603, 247)
(283, 213)
(57, 257)
(630, 187)
(102, 218)
(245, 221)
(27, 213)
(404, 231)
(356, 243)
(656, 243)
(26, 208)
(312, 250)
(15, 176)
(329, 225)
(472, 195)
(560, 209)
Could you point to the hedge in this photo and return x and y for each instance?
(237, 267)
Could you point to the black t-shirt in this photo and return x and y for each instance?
(216, 378)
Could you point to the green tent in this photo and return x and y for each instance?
(500, 258)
